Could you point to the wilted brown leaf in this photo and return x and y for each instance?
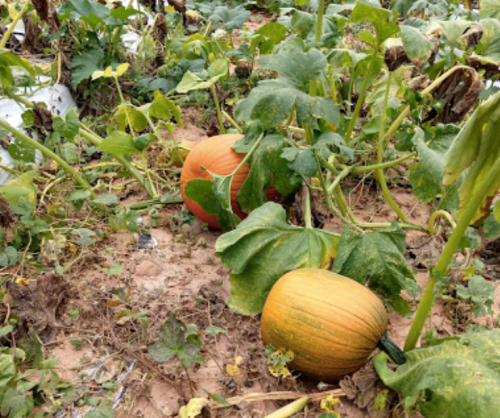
(459, 93)
(33, 41)
(47, 13)
(37, 308)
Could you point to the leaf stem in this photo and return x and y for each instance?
(217, 106)
(434, 216)
(49, 154)
(231, 121)
(379, 172)
(387, 164)
(449, 250)
(361, 97)
(319, 21)
(330, 202)
(307, 210)
(12, 26)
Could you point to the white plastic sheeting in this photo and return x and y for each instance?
(57, 98)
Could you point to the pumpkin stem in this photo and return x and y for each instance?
(391, 348)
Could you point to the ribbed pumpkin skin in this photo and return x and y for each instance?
(216, 155)
(331, 323)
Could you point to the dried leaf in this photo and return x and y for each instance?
(459, 92)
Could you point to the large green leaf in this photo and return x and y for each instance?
(426, 177)
(376, 257)
(215, 203)
(83, 66)
(456, 379)
(268, 36)
(263, 248)
(384, 22)
(490, 8)
(231, 18)
(265, 160)
(272, 100)
(8, 60)
(415, 43)
(118, 144)
(452, 30)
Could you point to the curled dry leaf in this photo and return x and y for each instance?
(33, 41)
(459, 92)
(47, 13)
(37, 308)
(42, 119)
(473, 35)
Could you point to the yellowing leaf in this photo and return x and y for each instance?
(193, 408)
(233, 369)
(122, 69)
(52, 249)
(170, 9)
(21, 188)
(330, 404)
(21, 281)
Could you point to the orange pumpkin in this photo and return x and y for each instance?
(331, 323)
(216, 155)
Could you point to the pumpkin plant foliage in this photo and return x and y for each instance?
(263, 248)
(377, 257)
(455, 379)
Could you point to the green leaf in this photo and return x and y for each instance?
(427, 177)
(455, 379)
(69, 126)
(265, 160)
(85, 236)
(231, 18)
(476, 147)
(176, 340)
(302, 23)
(496, 210)
(16, 403)
(453, 30)
(103, 409)
(491, 227)
(8, 60)
(263, 248)
(376, 257)
(376, 98)
(383, 21)
(8, 257)
(21, 188)
(118, 144)
(302, 161)
(107, 199)
(415, 43)
(212, 330)
(202, 192)
(125, 113)
(480, 293)
(272, 100)
(7, 369)
(191, 82)
(268, 36)
(489, 8)
(163, 108)
(84, 65)
(218, 398)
